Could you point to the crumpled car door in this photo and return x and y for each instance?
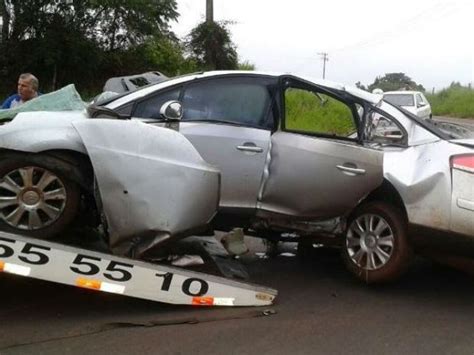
(318, 177)
(153, 183)
(316, 168)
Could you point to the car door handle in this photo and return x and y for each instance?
(249, 148)
(355, 171)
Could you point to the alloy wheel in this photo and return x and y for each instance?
(31, 198)
(370, 241)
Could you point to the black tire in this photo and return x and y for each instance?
(44, 207)
(376, 247)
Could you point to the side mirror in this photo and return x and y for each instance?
(385, 131)
(172, 111)
(389, 136)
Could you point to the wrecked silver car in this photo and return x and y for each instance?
(147, 189)
(329, 163)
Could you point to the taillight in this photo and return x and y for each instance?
(463, 162)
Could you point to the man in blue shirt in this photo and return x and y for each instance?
(27, 90)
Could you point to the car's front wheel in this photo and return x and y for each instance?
(36, 197)
(376, 247)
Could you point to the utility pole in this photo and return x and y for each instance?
(324, 58)
(209, 11)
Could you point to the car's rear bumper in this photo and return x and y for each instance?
(462, 201)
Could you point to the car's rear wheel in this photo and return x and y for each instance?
(36, 198)
(376, 247)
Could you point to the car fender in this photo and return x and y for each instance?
(153, 183)
(42, 131)
(422, 176)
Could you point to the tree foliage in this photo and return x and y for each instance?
(395, 81)
(246, 65)
(85, 41)
(210, 45)
(361, 86)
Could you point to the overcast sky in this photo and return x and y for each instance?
(432, 41)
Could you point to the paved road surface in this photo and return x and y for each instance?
(321, 309)
(468, 122)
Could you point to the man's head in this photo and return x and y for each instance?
(27, 86)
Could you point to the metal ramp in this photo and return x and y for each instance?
(80, 267)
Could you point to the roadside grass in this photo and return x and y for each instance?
(309, 113)
(454, 102)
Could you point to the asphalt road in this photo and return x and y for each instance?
(468, 122)
(321, 309)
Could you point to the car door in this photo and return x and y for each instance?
(229, 121)
(422, 107)
(317, 167)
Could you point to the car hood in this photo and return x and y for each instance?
(43, 119)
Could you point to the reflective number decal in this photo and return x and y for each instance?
(191, 286)
(30, 254)
(86, 265)
(117, 268)
(202, 288)
(34, 256)
(5, 250)
(167, 277)
(89, 267)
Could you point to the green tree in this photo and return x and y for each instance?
(246, 65)
(157, 53)
(361, 86)
(82, 41)
(395, 81)
(210, 45)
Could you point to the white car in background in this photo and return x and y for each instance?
(412, 101)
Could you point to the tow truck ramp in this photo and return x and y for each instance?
(80, 267)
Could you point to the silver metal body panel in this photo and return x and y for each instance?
(41, 131)
(422, 176)
(462, 203)
(239, 153)
(153, 183)
(313, 177)
(468, 142)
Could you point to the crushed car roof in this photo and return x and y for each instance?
(364, 95)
